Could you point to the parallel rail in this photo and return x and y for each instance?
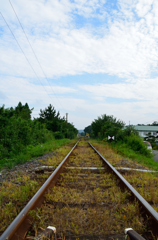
(19, 227)
(144, 204)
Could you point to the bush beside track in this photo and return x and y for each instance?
(22, 138)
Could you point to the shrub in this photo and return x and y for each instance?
(135, 143)
(58, 135)
(155, 147)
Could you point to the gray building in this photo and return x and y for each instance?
(144, 130)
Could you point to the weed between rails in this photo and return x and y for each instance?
(86, 203)
(145, 183)
(18, 190)
(14, 197)
(59, 155)
(123, 155)
(113, 158)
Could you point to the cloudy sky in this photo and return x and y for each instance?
(85, 57)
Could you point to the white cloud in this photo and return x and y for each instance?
(141, 90)
(143, 7)
(37, 13)
(123, 52)
(128, 48)
(122, 45)
(139, 100)
(19, 89)
(88, 8)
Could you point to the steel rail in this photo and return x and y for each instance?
(17, 230)
(148, 208)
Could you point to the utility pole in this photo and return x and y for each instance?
(66, 125)
(66, 117)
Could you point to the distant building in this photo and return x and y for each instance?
(144, 130)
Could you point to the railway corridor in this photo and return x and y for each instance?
(87, 202)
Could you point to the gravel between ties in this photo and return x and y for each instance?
(27, 168)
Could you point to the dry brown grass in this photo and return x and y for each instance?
(87, 203)
(145, 183)
(15, 193)
(13, 197)
(114, 158)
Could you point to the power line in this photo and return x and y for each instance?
(33, 51)
(24, 54)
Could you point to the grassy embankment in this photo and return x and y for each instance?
(145, 183)
(22, 138)
(145, 160)
(31, 152)
(26, 185)
(125, 150)
(12, 202)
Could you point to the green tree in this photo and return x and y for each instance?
(51, 118)
(106, 126)
(88, 129)
(155, 123)
(17, 130)
(23, 111)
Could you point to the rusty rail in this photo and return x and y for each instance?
(19, 227)
(133, 235)
(144, 204)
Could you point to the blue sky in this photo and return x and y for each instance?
(93, 57)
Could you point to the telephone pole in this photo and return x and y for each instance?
(66, 117)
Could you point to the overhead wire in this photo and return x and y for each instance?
(24, 54)
(34, 52)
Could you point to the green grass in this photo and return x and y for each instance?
(31, 152)
(145, 159)
(65, 203)
(126, 151)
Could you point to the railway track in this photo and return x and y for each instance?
(84, 198)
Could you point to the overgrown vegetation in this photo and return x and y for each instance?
(16, 191)
(130, 139)
(83, 203)
(22, 138)
(80, 203)
(126, 152)
(12, 202)
(59, 126)
(106, 126)
(126, 140)
(145, 183)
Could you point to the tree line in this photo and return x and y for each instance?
(108, 126)
(18, 130)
